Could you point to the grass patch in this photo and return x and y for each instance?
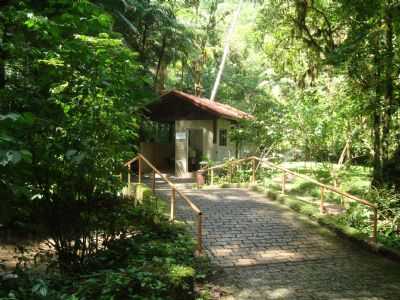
(353, 179)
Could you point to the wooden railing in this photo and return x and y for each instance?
(285, 171)
(140, 159)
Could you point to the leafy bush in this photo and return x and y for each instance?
(154, 260)
(28, 284)
(240, 173)
(388, 202)
(358, 216)
(69, 116)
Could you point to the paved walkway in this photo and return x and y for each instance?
(267, 251)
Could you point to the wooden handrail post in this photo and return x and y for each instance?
(212, 177)
(322, 199)
(173, 197)
(284, 183)
(375, 226)
(200, 233)
(253, 178)
(140, 170)
(174, 191)
(230, 173)
(153, 182)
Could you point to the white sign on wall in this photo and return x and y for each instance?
(180, 135)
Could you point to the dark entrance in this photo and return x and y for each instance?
(195, 149)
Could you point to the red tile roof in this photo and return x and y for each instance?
(222, 110)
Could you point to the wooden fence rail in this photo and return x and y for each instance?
(174, 191)
(285, 171)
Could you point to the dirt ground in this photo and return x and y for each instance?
(23, 252)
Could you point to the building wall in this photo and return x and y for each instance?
(181, 145)
(158, 154)
(210, 150)
(224, 152)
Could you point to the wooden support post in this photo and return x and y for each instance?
(342, 203)
(322, 199)
(173, 197)
(375, 226)
(199, 233)
(230, 173)
(253, 177)
(140, 170)
(153, 182)
(284, 183)
(212, 177)
(336, 185)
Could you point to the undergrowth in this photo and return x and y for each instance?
(154, 261)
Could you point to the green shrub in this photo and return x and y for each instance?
(154, 260)
(388, 202)
(81, 228)
(360, 217)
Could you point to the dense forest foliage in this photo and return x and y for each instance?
(322, 78)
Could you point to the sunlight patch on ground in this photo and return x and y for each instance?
(239, 198)
(221, 252)
(279, 255)
(280, 293)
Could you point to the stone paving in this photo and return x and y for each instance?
(267, 251)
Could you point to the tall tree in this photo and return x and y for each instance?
(69, 115)
(359, 38)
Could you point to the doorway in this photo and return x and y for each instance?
(195, 149)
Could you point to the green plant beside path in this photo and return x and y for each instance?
(154, 259)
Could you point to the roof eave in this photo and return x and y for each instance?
(196, 103)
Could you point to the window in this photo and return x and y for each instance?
(223, 137)
(215, 131)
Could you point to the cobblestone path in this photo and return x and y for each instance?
(267, 251)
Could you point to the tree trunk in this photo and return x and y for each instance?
(2, 58)
(2, 70)
(377, 165)
(182, 84)
(388, 98)
(160, 72)
(376, 123)
(162, 75)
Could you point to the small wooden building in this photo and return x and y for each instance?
(199, 132)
